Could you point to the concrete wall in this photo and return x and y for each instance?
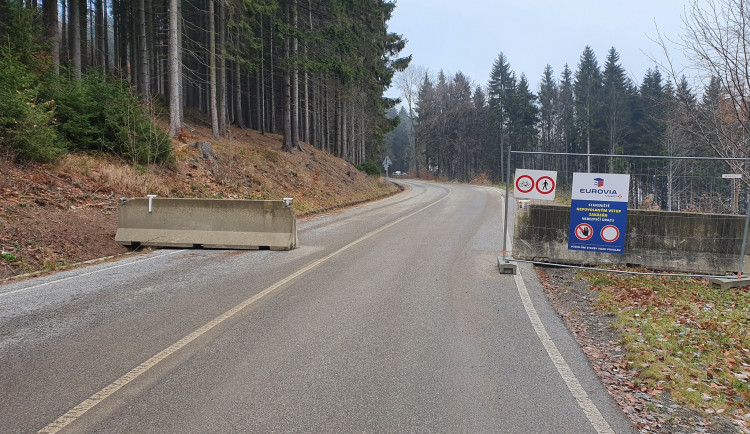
(673, 241)
(210, 223)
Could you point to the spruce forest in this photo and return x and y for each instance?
(78, 75)
(460, 130)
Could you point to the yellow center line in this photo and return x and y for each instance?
(80, 409)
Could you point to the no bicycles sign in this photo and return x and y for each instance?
(535, 184)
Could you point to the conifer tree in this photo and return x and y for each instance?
(523, 117)
(501, 88)
(615, 104)
(548, 97)
(587, 89)
(566, 125)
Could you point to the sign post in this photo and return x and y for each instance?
(598, 212)
(735, 177)
(386, 164)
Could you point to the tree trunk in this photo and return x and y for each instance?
(344, 130)
(260, 87)
(74, 6)
(271, 72)
(307, 137)
(125, 29)
(64, 41)
(286, 103)
(175, 89)
(100, 41)
(212, 70)
(222, 72)
(314, 137)
(253, 123)
(89, 34)
(239, 118)
(106, 38)
(143, 73)
(51, 29)
(83, 18)
(325, 122)
(295, 84)
(181, 64)
(362, 154)
(152, 54)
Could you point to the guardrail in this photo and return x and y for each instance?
(208, 223)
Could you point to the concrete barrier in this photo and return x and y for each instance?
(660, 240)
(209, 223)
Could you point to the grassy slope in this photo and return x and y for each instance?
(52, 216)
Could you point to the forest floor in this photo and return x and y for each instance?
(56, 216)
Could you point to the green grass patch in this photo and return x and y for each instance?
(682, 336)
(8, 256)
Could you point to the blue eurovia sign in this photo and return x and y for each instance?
(598, 212)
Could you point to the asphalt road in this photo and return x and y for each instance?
(390, 317)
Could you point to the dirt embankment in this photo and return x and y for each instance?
(52, 216)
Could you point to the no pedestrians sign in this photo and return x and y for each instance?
(535, 184)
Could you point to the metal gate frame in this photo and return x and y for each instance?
(506, 262)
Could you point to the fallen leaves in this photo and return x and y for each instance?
(682, 353)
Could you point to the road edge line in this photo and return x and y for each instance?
(571, 381)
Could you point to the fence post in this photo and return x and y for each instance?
(744, 237)
(507, 199)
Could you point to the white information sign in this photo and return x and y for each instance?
(598, 212)
(535, 184)
(601, 187)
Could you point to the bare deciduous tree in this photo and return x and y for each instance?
(717, 43)
(408, 82)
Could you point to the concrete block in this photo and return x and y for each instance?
(729, 282)
(659, 240)
(209, 223)
(506, 267)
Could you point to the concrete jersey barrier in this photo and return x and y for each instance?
(660, 240)
(209, 223)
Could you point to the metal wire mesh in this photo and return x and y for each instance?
(691, 184)
(690, 190)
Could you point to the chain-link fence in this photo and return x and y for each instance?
(685, 214)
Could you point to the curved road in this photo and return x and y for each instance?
(390, 317)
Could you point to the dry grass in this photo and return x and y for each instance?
(67, 213)
(117, 176)
(684, 337)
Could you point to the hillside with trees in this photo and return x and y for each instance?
(105, 100)
(87, 76)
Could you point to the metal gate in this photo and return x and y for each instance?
(685, 214)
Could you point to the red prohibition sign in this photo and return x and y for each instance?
(584, 232)
(547, 183)
(519, 184)
(610, 233)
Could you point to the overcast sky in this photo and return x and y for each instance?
(468, 36)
